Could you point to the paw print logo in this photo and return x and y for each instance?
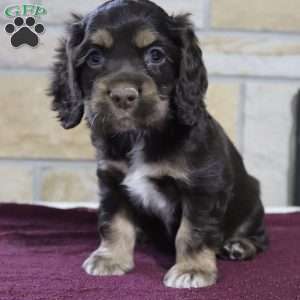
(24, 32)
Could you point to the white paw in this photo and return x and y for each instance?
(235, 251)
(98, 265)
(185, 279)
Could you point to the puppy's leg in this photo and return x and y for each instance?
(247, 233)
(115, 254)
(116, 227)
(195, 267)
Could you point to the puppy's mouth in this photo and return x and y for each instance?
(147, 113)
(126, 123)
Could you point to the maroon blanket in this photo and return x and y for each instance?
(42, 249)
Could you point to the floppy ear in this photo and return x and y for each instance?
(64, 87)
(192, 82)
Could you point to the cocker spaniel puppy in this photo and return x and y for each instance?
(165, 166)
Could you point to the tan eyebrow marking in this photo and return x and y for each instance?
(145, 38)
(103, 38)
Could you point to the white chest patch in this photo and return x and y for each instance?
(145, 192)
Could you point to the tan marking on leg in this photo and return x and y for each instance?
(193, 269)
(102, 38)
(145, 38)
(115, 254)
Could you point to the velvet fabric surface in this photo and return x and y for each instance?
(42, 249)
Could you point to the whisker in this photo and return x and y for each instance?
(94, 121)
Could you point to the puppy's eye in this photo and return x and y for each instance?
(155, 55)
(95, 58)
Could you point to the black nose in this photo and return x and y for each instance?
(124, 97)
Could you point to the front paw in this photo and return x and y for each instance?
(180, 276)
(100, 265)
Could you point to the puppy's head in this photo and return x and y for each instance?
(129, 66)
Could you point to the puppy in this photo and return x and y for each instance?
(165, 166)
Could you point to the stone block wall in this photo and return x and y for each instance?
(252, 53)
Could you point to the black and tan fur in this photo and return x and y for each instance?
(165, 166)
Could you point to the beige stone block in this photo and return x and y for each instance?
(16, 183)
(251, 54)
(222, 103)
(29, 129)
(69, 184)
(279, 15)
